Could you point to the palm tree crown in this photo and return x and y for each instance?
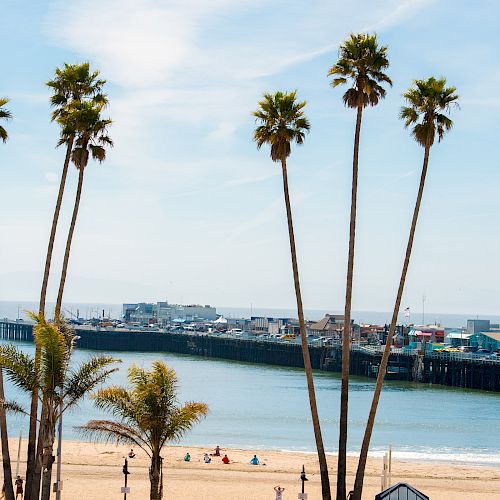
(428, 101)
(362, 62)
(282, 121)
(75, 82)
(148, 415)
(5, 114)
(84, 120)
(56, 371)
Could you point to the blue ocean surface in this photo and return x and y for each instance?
(266, 407)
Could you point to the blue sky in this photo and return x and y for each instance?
(185, 208)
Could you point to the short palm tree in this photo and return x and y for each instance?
(361, 64)
(56, 379)
(148, 416)
(71, 84)
(428, 102)
(4, 436)
(90, 130)
(282, 121)
(5, 114)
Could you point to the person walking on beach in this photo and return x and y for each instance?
(225, 459)
(255, 460)
(19, 487)
(279, 492)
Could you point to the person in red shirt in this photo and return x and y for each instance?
(225, 459)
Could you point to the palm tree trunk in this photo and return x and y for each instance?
(37, 473)
(155, 478)
(48, 438)
(346, 336)
(64, 271)
(30, 462)
(358, 485)
(323, 467)
(7, 470)
(53, 230)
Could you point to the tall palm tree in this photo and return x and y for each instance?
(5, 114)
(361, 63)
(148, 416)
(428, 102)
(56, 380)
(72, 83)
(91, 139)
(282, 121)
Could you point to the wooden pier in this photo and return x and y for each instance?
(456, 370)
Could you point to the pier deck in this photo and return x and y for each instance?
(456, 370)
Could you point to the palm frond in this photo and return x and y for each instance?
(114, 432)
(86, 377)
(183, 419)
(19, 367)
(13, 407)
(5, 114)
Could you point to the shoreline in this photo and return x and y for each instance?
(96, 470)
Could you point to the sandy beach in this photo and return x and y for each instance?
(94, 471)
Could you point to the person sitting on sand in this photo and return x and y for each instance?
(255, 460)
(279, 492)
(19, 487)
(207, 459)
(187, 458)
(225, 459)
(216, 452)
(131, 454)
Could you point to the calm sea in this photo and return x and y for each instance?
(265, 407)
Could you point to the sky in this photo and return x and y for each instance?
(186, 209)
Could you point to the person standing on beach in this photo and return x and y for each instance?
(217, 451)
(279, 492)
(19, 487)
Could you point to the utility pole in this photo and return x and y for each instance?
(303, 478)
(58, 483)
(125, 489)
(19, 452)
(423, 309)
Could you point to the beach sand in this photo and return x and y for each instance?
(94, 471)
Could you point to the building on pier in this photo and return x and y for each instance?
(486, 340)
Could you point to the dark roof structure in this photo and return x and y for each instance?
(401, 491)
(328, 323)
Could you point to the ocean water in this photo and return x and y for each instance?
(265, 407)
(11, 309)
